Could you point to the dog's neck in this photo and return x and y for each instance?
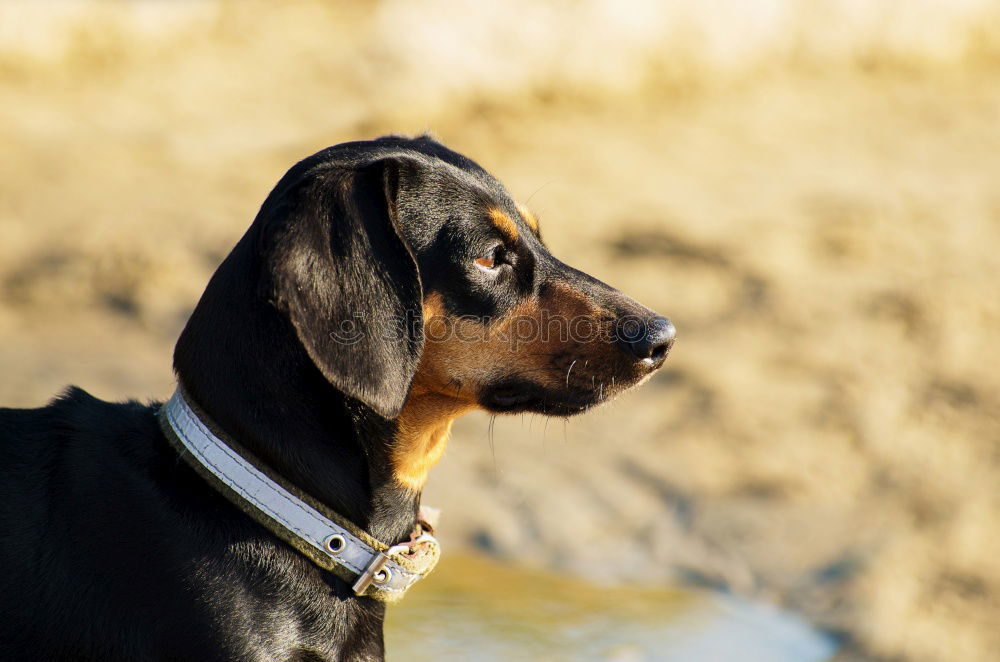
(241, 363)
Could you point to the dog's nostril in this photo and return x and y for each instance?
(660, 352)
(654, 342)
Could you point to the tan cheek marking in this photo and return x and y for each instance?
(566, 304)
(503, 223)
(528, 217)
(569, 302)
(452, 368)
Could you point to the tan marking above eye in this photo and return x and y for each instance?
(503, 223)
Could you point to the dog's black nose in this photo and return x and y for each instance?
(648, 340)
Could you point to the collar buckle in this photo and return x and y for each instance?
(375, 573)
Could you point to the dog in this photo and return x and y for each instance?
(385, 288)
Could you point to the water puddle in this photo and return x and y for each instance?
(475, 609)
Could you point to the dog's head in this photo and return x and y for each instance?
(418, 287)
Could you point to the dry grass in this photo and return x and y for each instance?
(815, 208)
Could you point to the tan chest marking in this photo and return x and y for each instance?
(424, 424)
(424, 427)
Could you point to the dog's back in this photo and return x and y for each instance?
(80, 514)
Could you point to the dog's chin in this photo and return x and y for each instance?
(524, 397)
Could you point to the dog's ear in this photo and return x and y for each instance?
(337, 265)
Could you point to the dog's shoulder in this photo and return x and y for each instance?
(75, 432)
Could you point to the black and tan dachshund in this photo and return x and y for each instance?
(385, 288)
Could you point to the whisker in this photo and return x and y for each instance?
(538, 189)
(493, 450)
(569, 371)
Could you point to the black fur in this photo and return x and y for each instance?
(112, 548)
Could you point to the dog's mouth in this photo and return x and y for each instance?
(516, 397)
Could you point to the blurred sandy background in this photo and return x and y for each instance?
(809, 189)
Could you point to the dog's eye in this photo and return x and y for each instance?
(492, 260)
